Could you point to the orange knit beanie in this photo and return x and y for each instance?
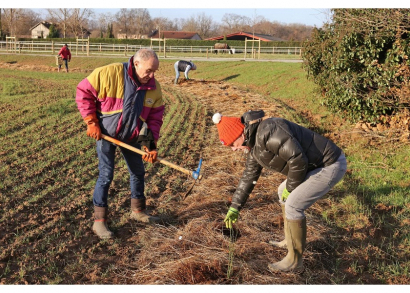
(229, 128)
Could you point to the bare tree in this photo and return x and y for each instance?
(234, 23)
(18, 21)
(141, 21)
(78, 20)
(201, 23)
(61, 16)
(101, 23)
(263, 26)
(205, 25)
(163, 24)
(28, 18)
(11, 16)
(1, 26)
(124, 21)
(188, 24)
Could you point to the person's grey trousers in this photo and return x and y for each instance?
(317, 183)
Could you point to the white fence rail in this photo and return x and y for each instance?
(93, 49)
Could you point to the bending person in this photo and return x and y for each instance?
(183, 66)
(312, 163)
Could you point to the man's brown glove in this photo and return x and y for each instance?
(93, 127)
(151, 156)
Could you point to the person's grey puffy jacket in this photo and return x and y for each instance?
(286, 147)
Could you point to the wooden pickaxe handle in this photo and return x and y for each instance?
(138, 151)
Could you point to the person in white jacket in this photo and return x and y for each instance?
(183, 66)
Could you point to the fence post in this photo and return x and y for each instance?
(52, 47)
(245, 48)
(259, 49)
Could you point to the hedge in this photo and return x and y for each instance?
(360, 62)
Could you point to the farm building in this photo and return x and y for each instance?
(240, 36)
(40, 30)
(174, 35)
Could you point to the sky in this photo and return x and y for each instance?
(313, 17)
(313, 12)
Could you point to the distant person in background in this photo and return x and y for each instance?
(65, 54)
(183, 66)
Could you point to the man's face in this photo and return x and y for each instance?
(145, 69)
(238, 144)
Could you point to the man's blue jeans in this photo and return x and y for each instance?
(106, 157)
(65, 63)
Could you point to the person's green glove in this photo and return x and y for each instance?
(231, 217)
(285, 194)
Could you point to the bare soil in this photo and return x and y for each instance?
(191, 246)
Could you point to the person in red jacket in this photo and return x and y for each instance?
(66, 55)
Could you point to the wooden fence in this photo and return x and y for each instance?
(84, 48)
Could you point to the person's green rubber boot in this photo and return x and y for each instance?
(296, 242)
(281, 244)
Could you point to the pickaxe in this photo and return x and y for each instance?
(195, 174)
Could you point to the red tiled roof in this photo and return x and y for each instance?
(243, 35)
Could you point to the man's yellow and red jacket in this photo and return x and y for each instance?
(120, 103)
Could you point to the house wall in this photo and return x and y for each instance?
(36, 32)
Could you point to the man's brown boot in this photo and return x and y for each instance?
(281, 244)
(100, 226)
(138, 212)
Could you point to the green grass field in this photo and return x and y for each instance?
(49, 167)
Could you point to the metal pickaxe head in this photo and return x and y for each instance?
(195, 174)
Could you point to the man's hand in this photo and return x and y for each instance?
(93, 127)
(151, 156)
(231, 217)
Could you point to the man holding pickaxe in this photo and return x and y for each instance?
(124, 101)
